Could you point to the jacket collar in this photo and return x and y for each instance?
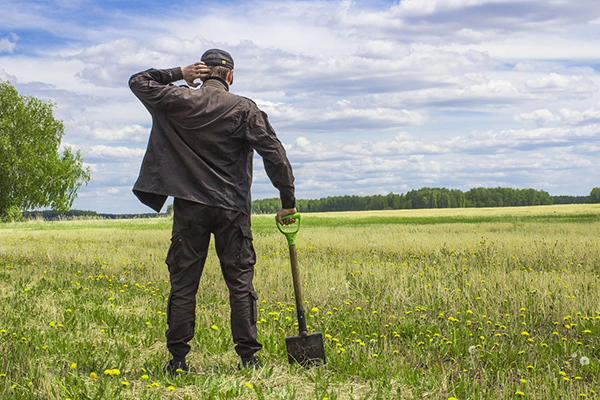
(215, 81)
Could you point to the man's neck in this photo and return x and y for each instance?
(212, 81)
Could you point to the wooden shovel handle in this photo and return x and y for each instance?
(298, 291)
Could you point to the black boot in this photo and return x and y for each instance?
(176, 366)
(250, 362)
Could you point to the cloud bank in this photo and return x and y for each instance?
(368, 97)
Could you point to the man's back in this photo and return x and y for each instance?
(202, 142)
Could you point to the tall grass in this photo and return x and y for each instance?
(470, 304)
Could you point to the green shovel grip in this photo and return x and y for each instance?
(290, 230)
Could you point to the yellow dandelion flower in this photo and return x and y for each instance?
(145, 377)
(216, 328)
(248, 385)
(315, 309)
(74, 366)
(124, 383)
(93, 375)
(519, 393)
(171, 388)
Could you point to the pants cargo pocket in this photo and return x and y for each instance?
(254, 299)
(169, 311)
(174, 249)
(247, 255)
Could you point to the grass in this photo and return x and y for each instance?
(470, 304)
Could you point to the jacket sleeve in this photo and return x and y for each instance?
(262, 138)
(151, 86)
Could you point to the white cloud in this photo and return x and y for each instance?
(567, 116)
(8, 44)
(7, 77)
(108, 153)
(540, 117)
(343, 114)
(575, 85)
(132, 132)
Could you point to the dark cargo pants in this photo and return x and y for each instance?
(193, 224)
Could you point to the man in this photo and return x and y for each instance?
(200, 152)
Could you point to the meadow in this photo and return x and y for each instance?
(439, 304)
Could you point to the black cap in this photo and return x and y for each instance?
(217, 57)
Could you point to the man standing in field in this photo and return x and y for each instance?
(200, 152)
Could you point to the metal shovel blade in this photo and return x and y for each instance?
(306, 350)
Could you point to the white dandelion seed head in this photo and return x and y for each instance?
(584, 360)
(573, 355)
(472, 349)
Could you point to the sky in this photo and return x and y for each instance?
(368, 97)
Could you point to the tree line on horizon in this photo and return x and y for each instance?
(414, 199)
(429, 198)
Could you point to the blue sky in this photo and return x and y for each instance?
(368, 97)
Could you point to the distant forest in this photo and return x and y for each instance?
(421, 198)
(430, 198)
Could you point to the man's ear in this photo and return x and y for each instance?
(230, 77)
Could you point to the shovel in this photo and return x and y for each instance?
(305, 349)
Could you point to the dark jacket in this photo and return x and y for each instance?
(201, 144)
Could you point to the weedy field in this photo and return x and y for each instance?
(437, 304)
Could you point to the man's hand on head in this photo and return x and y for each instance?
(283, 212)
(197, 70)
